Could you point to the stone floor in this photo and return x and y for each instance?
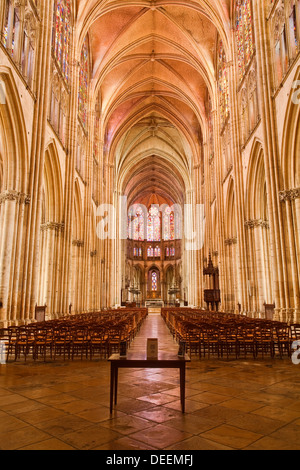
(237, 405)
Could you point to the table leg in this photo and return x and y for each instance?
(112, 382)
(182, 387)
(116, 384)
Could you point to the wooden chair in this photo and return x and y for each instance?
(23, 343)
(210, 341)
(114, 338)
(193, 341)
(79, 343)
(229, 342)
(264, 341)
(98, 343)
(12, 338)
(61, 343)
(43, 343)
(247, 343)
(284, 341)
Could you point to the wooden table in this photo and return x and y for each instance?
(140, 361)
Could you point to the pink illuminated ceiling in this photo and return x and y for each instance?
(154, 64)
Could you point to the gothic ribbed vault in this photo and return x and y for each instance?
(154, 62)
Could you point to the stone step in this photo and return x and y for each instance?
(154, 311)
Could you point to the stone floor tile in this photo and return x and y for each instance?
(160, 436)
(231, 436)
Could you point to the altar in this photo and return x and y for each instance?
(154, 303)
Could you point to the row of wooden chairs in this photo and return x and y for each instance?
(238, 342)
(70, 338)
(222, 335)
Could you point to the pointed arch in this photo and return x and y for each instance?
(51, 232)
(231, 227)
(12, 135)
(78, 246)
(260, 289)
(256, 192)
(14, 162)
(291, 140)
(53, 185)
(231, 253)
(78, 213)
(290, 195)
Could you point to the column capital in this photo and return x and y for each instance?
(12, 195)
(254, 223)
(231, 241)
(78, 243)
(289, 194)
(57, 227)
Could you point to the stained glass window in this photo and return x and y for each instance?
(244, 35)
(5, 27)
(178, 222)
(172, 226)
(169, 224)
(223, 84)
(139, 225)
(14, 35)
(83, 83)
(11, 26)
(97, 127)
(129, 227)
(61, 38)
(150, 252)
(157, 252)
(153, 233)
(293, 30)
(154, 279)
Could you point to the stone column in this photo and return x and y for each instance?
(271, 155)
(241, 266)
(37, 157)
(220, 208)
(291, 199)
(77, 248)
(16, 315)
(10, 213)
(259, 256)
(50, 287)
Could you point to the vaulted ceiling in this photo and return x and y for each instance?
(153, 63)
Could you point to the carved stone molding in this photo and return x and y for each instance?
(231, 241)
(11, 195)
(79, 243)
(52, 226)
(228, 171)
(289, 195)
(257, 223)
